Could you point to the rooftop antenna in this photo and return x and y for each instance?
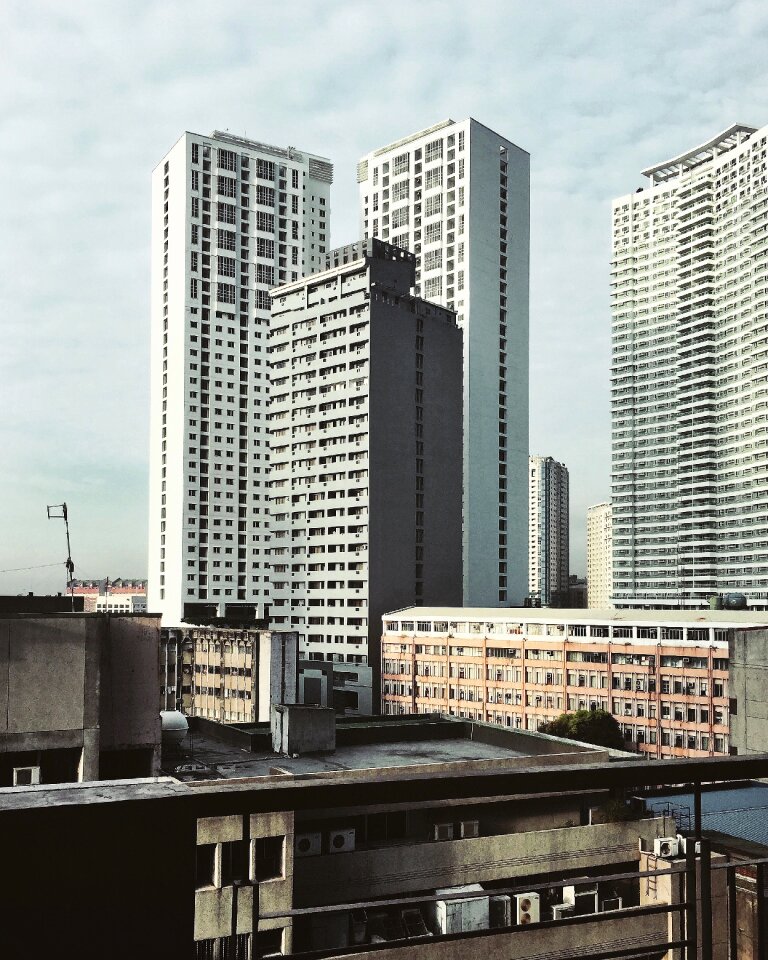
(58, 511)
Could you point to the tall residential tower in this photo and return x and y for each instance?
(690, 393)
(548, 533)
(231, 218)
(457, 196)
(599, 557)
(366, 458)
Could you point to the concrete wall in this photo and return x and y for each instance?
(748, 682)
(391, 871)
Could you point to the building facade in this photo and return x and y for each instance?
(599, 556)
(457, 196)
(226, 674)
(548, 532)
(231, 218)
(111, 596)
(689, 279)
(365, 457)
(664, 677)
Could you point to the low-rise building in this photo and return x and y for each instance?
(111, 596)
(79, 697)
(662, 674)
(227, 674)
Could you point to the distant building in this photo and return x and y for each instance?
(457, 195)
(231, 218)
(225, 674)
(599, 557)
(112, 596)
(690, 483)
(664, 675)
(80, 697)
(548, 532)
(577, 593)
(366, 441)
(31, 603)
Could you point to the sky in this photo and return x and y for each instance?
(93, 94)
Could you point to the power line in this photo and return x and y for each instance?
(38, 567)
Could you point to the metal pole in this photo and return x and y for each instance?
(697, 808)
(730, 874)
(705, 886)
(762, 946)
(691, 934)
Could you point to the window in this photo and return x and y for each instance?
(433, 232)
(226, 159)
(195, 180)
(226, 292)
(268, 856)
(265, 170)
(399, 164)
(433, 151)
(265, 196)
(225, 240)
(433, 259)
(195, 206)
(399, 217)
(265, 274)
(399, 191)
(263, 300)
(433, 287)
(267, 943)
(265, 248)
(206, 855)
(225, 212)
(227, 186)
(227, 266)
(433, 205)
(433, 178)
(265, 221)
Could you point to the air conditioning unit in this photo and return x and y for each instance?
(308, 844)
(341, 841)
(26, 776)
(562, 910)
(526, 908)
(582, 900)
(469, 828)
(615, 903)
(443, 831)
(500, 910)
(666, 847)
(682, 844)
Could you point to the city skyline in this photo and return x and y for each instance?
(76, 413)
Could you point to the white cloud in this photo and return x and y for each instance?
(92, 94)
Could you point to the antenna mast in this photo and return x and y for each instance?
(53, 514)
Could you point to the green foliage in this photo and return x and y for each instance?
(589, 726)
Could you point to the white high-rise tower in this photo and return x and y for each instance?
(690, 385)
(231, 218)
(457, 195)
(548, 531)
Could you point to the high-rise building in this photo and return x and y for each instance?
(599, 556)
(457, 195)
(365, 458)
(548, 534)
(231, 218)
(690, 469)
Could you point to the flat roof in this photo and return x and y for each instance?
(721, 618)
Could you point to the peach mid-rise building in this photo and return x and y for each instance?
(662, 674)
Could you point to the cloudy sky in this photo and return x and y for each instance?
(92, 94)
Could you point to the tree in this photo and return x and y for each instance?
(589, 726)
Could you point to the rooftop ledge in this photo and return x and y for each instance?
(723, 142)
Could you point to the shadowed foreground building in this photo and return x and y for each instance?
(443, 839)
(79, 697)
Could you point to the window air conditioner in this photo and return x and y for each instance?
(26, 776)
(469, 828)
(562, 910)
(341, 841)
(615, 903)
(308, 844)
(682, 844)
(526, 908)
(443, 831)
(666, 847)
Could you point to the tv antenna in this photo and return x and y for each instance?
(58, 511)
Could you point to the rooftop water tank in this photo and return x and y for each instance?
(735, 601)
(174, 726)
